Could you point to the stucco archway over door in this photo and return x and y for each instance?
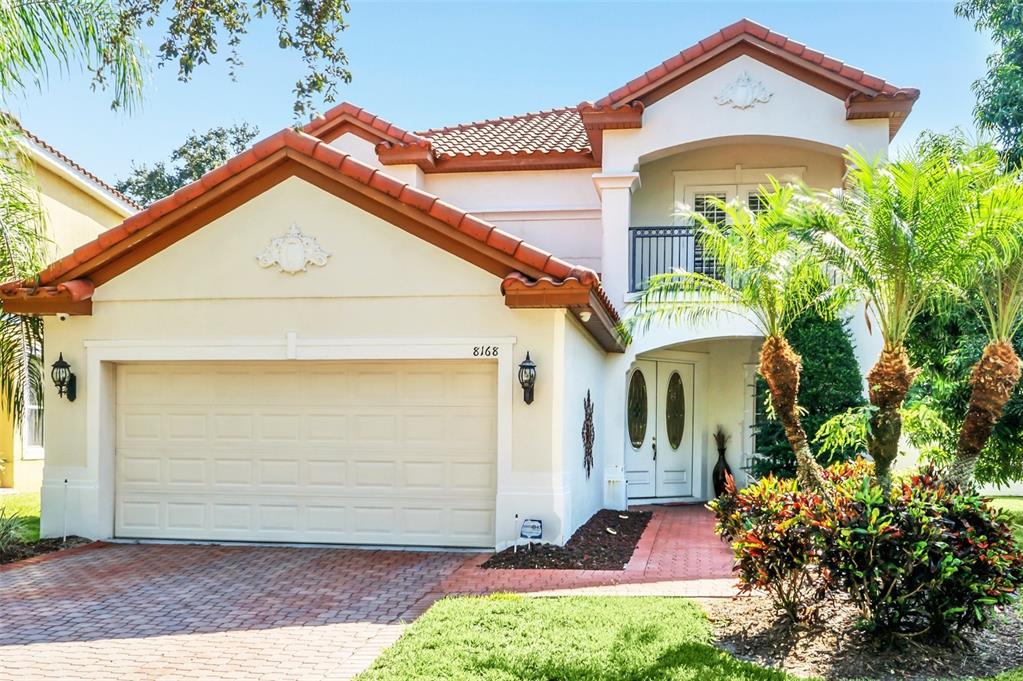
(385, 452)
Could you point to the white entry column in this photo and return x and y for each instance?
(615, 191)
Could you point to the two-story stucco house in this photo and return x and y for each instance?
(321, 340)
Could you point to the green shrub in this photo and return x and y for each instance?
(926, 560)
(774, 544)
(830, 384)
(929, 559)
(11, 529)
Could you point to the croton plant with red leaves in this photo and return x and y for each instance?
(928, 559)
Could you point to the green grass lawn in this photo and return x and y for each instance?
(596, 638)
(1014, 507)
(606, 638)
(25, 504)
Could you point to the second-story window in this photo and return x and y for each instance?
(706, 204)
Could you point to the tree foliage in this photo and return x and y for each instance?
(199, 154)
(946, 346)
(197, 29)
(831, 385)
(37, 38)
(999, 107)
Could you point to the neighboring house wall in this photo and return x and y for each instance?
(73, 217)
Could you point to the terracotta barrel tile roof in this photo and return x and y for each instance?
(308, 145)
(556, 130)
(571, 137)
(346, 111)
(68, 278)
(752, 32)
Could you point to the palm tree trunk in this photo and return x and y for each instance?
(993, 379)
(780, 366)
(888, 381)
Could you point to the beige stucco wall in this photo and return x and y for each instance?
(379, 283)
(73, 217)
(583, 370)
(654, 203)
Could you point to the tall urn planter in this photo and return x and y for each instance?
(721, 470)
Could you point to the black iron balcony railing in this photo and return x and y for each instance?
(656, 250)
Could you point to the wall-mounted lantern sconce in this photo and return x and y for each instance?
(527, 379)
(64, 379)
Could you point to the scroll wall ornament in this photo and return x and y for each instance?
(588, 434)
(744, 93)
(293, 252)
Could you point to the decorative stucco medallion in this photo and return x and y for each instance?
(744, 93)
(293, 252)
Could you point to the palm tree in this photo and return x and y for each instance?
(995, 285)
(22, 248)
(900, 236)
(770, 280)
(37, 36)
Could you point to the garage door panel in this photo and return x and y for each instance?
(418, 521)
(403, 454)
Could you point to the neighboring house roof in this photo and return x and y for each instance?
(67, 285)
(570, 137)
(49, 156)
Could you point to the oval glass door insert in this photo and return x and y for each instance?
(637, 409)
(675, 410)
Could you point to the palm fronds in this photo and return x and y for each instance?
(900, 233)
(22, 253)
(36, 35)
(770, 277)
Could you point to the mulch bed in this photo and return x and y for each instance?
(16, 552)
(605, 542)
(749, 628)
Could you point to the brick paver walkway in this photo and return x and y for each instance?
(678, 555)
(203, 612)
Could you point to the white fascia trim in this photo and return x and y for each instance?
(55, 165)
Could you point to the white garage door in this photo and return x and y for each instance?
(341, 452)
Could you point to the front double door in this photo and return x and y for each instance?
(659, 454)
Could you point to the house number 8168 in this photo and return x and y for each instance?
(484, 351)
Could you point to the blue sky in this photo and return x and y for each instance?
(426, 64)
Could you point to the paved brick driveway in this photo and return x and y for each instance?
(204, 612)
(201, 612)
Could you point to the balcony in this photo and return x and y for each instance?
(661, 249)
